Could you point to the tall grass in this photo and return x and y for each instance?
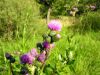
(86, 47)
(23, 15)
(87, 52)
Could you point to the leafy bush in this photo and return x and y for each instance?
(90, 21)
(17, 17)
(57, 7)
(63, 7)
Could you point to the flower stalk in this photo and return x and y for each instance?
(11, 69)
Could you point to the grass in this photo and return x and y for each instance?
(86, 47)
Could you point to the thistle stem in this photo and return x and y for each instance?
(11, 70)
(47, 56)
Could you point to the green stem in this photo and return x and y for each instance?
(43, 65)
(11, 70)
(24, 37)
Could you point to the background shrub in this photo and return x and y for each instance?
(17, 17)
(90, 21)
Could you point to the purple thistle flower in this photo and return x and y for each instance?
(42, 57)
(26, 59)
(46, 45)
(29, 57)
(33, 53)
(54, 25)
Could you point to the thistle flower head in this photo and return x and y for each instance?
(46, 45)
(42, 57)
(29, 57)
(26, 59)
(54, 25)
(33, 53)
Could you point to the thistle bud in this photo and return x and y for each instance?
(42, 57)
(44, 36)
(56, 38)
(8, 56)
(52, 33)
(12, 60)
(40, 46)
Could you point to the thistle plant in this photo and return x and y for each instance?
(33, 62)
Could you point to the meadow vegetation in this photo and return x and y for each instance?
(22, 24)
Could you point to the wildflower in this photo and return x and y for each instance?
(26, 58)
(8, 56)
(54, 25)
(42, 57)
(33, 53)
(29, 57)
(46, 45)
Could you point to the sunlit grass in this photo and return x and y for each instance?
(86, 47)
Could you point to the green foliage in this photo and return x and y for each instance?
(16, 17)
(19, 19)
(87, 22)
(90, 21)
(58, 7)
(63, 7)
(85, 54)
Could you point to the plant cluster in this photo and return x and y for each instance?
(34, 61)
